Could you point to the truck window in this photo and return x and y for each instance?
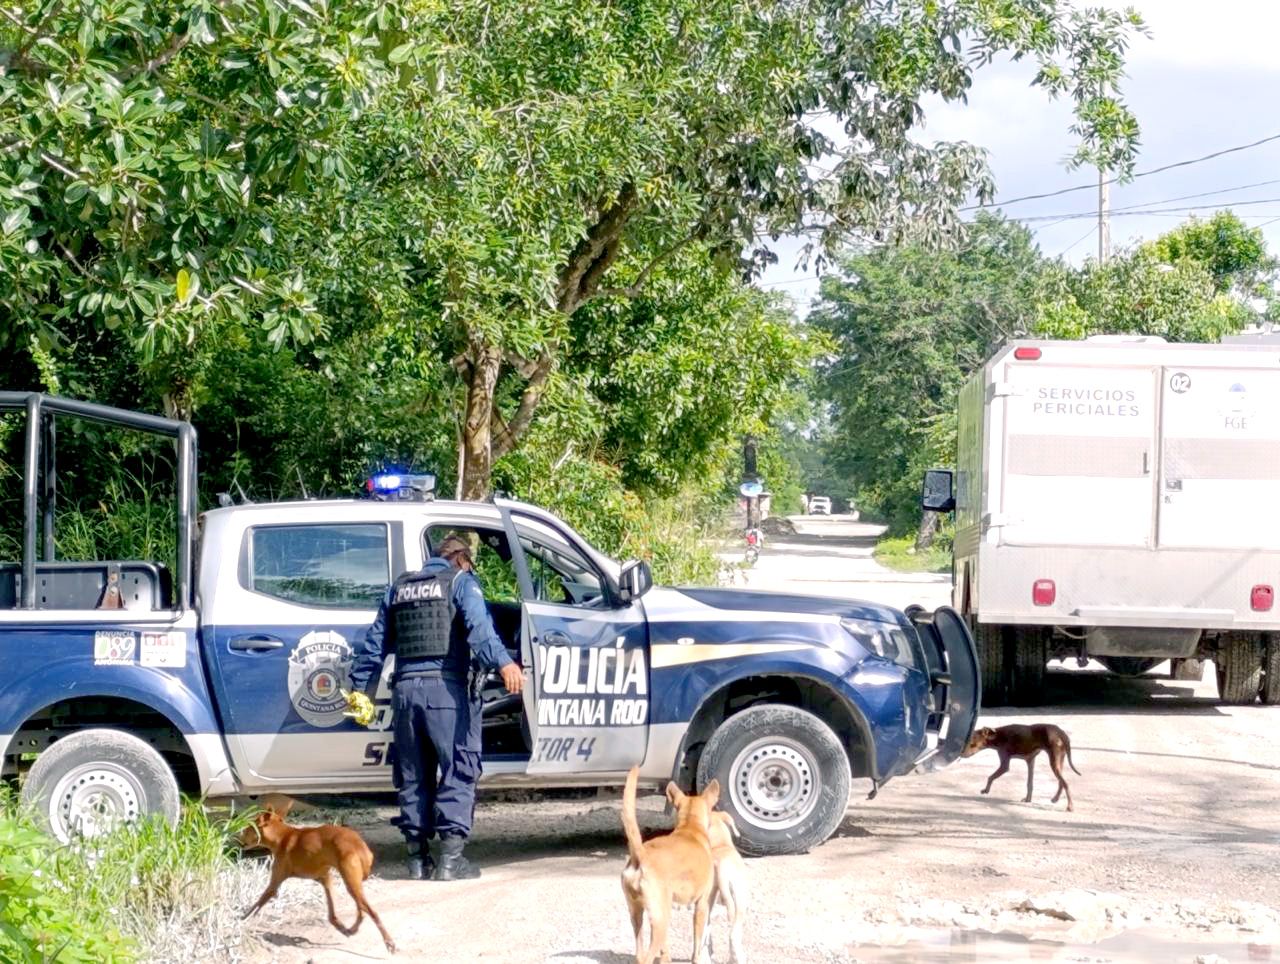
(491, 554)
(559, 575)
(332, 566)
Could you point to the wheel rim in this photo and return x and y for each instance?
(774, 783)
(92, 799)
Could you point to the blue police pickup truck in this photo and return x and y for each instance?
(127, 681)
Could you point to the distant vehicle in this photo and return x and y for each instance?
(820, 505)
(1114, 500)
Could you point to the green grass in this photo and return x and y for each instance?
(144, 892)
(898, 553)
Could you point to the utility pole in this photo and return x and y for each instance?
(1104, 212)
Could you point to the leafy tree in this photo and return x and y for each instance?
(1134, 292)
(540, 157)
(909, 324)
(682, 372)
(147, 144)
(1234, 254)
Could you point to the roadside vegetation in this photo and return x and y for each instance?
(900, 554)
(143, 893)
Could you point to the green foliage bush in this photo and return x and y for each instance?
(43, 916)
(109, 900)
(669, 532)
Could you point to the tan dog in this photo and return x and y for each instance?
(1024, 742)
(731, 883)
(676, 868)
(311, 852)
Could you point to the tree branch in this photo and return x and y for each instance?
(35, 33)
(593, 254)
(159, 60)
(634, 289)
(529, 399)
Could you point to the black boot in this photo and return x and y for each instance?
(454, 866)
(419, 862)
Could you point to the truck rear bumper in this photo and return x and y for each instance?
(1207, 589)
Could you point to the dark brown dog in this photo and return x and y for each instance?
(1024, 742)
(311, 852)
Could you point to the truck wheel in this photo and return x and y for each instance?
(92, 780)
(1129, 666)
(990, 640)
(1271, 670)
(1188, 669)
(1029, 656)
(784, 778)
(1239, 666)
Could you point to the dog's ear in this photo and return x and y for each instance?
(278, 803)
(711, 792)
(675, 796)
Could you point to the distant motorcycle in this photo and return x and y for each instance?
(755, 542)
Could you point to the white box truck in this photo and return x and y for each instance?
(1116, 499)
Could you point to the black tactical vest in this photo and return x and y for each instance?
(421, 614)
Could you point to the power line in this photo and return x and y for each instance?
(1126, 211)
(1188, 197)
(1114, 180)
(1063, 252)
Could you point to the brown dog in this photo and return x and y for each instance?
(1024, 742)
(731, 882)
(311, 852)
(676, 868)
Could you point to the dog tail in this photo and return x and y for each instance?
(629, 825)
(1067, 740)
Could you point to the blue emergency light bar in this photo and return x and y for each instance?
(399, 485)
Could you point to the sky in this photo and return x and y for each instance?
(1207, 79)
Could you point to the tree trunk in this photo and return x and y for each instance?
(928, 529)
(477, 448)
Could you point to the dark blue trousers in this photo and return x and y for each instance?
(437, 730)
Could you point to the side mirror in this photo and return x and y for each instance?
(635, 579)
(937, 495)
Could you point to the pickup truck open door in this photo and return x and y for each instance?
(588, 705)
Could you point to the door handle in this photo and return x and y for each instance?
(254, 644)
(556, 638)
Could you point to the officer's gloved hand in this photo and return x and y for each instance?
(359, 707)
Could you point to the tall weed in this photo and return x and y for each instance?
(144, 892)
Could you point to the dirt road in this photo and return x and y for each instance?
(1170, 854)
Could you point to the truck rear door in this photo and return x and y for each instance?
(1221, 458)
(1077, 454)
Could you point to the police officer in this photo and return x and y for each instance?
(436, 623)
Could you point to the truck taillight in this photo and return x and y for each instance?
(1026, 354)
(1043, 592)
(1261, 598)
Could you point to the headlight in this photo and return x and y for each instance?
(883, 639)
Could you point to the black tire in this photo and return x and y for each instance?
(1030, 653)
(1129, 666)
(1271, 670)
(1239, 667)
(789, 755)
(92, 780)
(991, 662)
(1188, 669)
